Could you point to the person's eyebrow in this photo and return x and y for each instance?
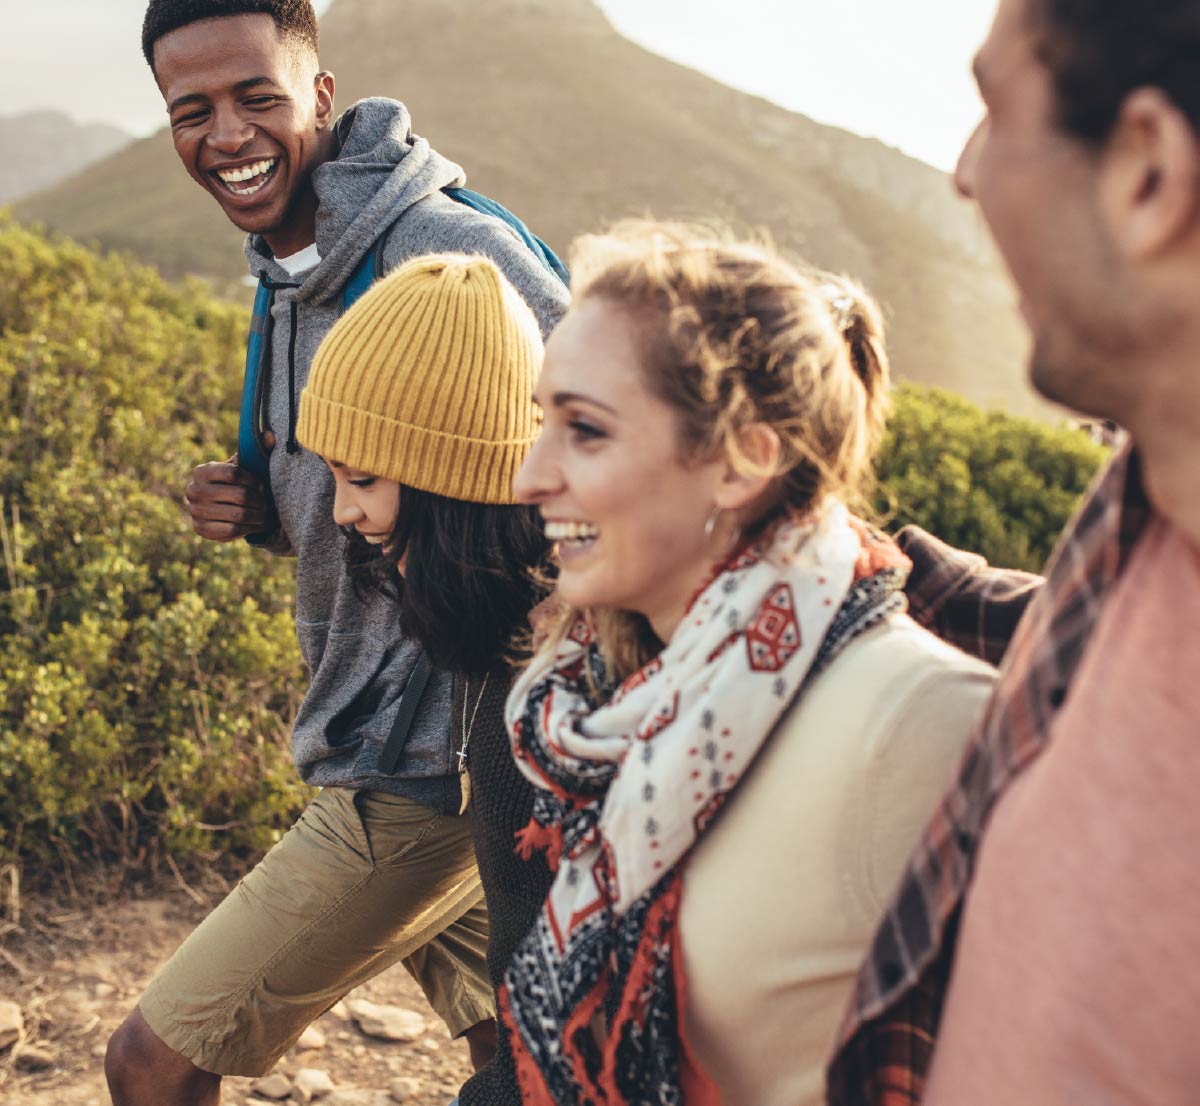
(183, 101)
(199, 97)
(561, 399)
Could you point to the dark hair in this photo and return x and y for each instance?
(1099, 51)
(294, 18)
(474, 572)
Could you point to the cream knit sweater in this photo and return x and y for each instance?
(782, 897)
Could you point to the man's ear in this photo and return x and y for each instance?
(1150, 176)
(323, 85)
(748, 475)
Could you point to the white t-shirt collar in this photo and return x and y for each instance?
(301, 261)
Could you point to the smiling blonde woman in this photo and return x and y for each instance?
(736, 730)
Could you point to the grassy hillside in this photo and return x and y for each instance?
(40, 148)
(571, 125)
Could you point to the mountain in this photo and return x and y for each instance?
(40, 148)
(555, 114)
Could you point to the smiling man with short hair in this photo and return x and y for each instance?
(380, 867)
(1042, 949)
(250, 112)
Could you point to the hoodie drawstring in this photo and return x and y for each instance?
(292, 445)
(274, 286)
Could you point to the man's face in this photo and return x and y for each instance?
(250, 121)
(1037, 188)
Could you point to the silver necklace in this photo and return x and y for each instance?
(467, 729)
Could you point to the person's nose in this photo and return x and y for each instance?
(539, 477)
(229, 132)
(964, 171)
(346, 511)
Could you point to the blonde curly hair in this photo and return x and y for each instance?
(736, 335)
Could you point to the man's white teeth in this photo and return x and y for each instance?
(571, 531)
(245, 173)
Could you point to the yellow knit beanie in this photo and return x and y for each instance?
(428, 380)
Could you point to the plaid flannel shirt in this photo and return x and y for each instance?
(963, 600)
(887, 1039)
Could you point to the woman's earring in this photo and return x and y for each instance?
(710, 524)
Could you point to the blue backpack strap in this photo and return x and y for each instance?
(250, 453)
(489, 206)
(368, 269)
(360, 280)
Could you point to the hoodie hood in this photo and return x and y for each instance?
(381, 169)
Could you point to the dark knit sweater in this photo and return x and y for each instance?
(515, 889)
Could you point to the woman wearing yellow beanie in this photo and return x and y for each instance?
(420, 400)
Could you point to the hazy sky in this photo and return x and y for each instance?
(896, 71)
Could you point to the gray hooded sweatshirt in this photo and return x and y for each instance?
(384, 184)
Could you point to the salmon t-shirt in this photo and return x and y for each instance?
(1077, 973)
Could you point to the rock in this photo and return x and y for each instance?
(275, 1086)
(312, 1083)
(104, 990)
(431, 1044)
(389, 1023)
(338, 1010)
(358, 1051)
(99, 1052)
(404, 1089)
(33, 1058)
(12, 1023)
(355, 1096)
(312, 1037)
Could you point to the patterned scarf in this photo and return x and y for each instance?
(626, 787)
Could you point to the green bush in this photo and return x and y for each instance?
(1001, 485)
(147, 678)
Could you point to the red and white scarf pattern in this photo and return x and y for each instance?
(627, 787)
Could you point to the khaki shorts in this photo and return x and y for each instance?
(360, 881)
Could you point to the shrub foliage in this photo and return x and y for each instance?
(147, 678)
(1001, 485)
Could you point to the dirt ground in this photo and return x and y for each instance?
(76, 973)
